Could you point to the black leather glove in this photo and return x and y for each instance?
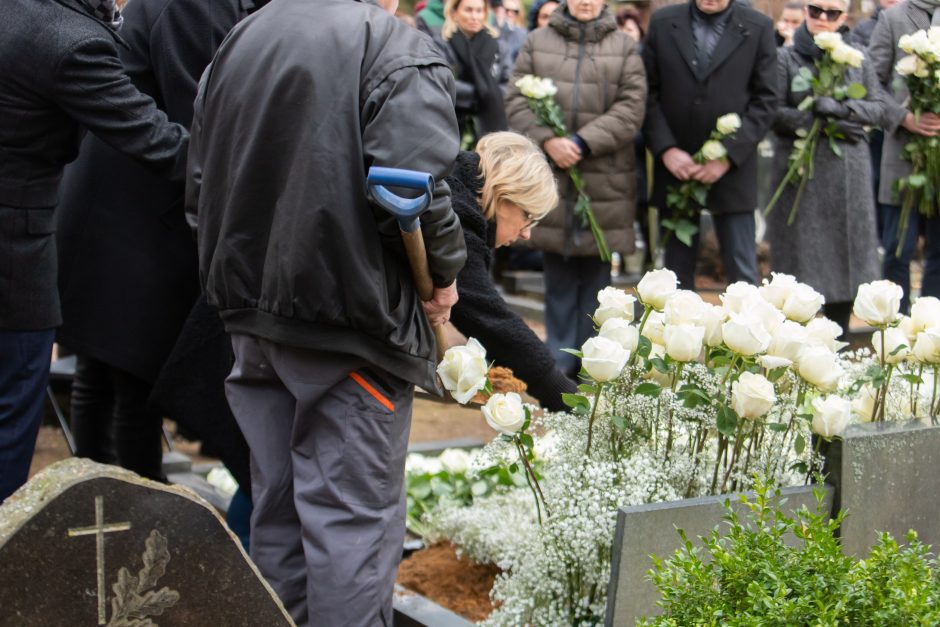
(852, 132)
(825, 106)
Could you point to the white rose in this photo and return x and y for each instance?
(455, 460)
(654, 328)
(752, 395)
(771, 362)
(603, 358)
(548, 88)
(740, 296)
(770, 316)
(828, 41)
(463, 370)
(820, 367)
(878, 302)
(714, 149)
(933, 34)
(622, 332)
(896, 342)
(906, 324)
(825, 332)
(927, 346)
(863, 407)
(832, 415)
(919, 42)
(684, 341)
(505, 413)
(728, 124)
(778, 288)
(419, 464)
(923, 70)
(684, 307)
(803, 303)
(925, 313)
(907, 65)
(714, 317)
(745, 334)
(788, 340)
(613, 303)
(527, 85)
(847, 55)
(656, 287)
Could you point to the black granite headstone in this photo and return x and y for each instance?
(86, 544)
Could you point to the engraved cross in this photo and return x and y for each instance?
(98, 530)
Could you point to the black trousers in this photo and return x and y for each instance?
(736, 238)
(112, 420)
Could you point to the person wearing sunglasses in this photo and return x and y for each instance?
(832, 243)
(901, 125)
(500, 191)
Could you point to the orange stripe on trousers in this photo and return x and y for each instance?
(368, 387)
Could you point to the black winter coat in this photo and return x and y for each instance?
(481, 312)
(684, 101)
(60, 74)
(290, 248)
(128, 274)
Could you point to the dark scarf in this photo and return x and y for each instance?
(930, 6)
(106, 11)
(477, 57)
(805, 45)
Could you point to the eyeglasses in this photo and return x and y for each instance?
(816, 12)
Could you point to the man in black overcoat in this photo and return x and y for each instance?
(705, 59)
(128, 275)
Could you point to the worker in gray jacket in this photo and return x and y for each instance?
(312, 282)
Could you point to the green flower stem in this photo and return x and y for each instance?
(647, 310)
(722, 442)
(933, 397)
(597, 399)
(797, 162)
(675, 384)
(532, 480)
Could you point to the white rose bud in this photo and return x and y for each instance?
(656, 287)
(820, 367)
(832, 416)
(745, 334)
(927, 346)
(622, 332)
(752, 395)
(603, 358)
(863, 407)
(505, 413)
(684, 341)
(778, 288)
(925, 313)
(613, 303)
(896, 342)
(728, 124)
(455, 460)
(463, 370)
(828, 41)
(713, 150)
(684, 307)
(803, 303)
(878, 303)
(715, 316)
(740, 296)
(825, 332)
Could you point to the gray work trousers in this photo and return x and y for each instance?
(328, 434)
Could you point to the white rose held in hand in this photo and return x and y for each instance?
(505, 413)
(752, 395)
(745, 334)
(828, 41)
(622, 332)
(656, 287)
(613, 303)
(832, 416)
(803, 303)
(713, 150)
(728, 124)
(603, 359)
(896, 342)
(878, 303)
(820, 367)
(463, 370)
(683, 341)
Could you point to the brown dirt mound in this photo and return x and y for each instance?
(455, 583)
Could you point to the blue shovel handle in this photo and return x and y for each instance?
(406, 210)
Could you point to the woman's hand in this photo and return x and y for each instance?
(564, 152)
(438, 308)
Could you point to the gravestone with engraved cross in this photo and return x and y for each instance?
(86, 544)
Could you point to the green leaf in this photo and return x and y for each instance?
(685, 230)
(575, 400)
(573, 351)
(776, 373)
(799, 83)
(644, 346)
(660, 365)
(897, 350)
(917, 180)
(514, 467)
(587, 388)
(800, 445)
(856, 91)
(479, 488)
(727, 421)
(913, 379)
(526, 440)
(649, 389)
(778, 427)
(620, 423)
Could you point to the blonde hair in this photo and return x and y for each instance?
(514, 169)
(450, 24)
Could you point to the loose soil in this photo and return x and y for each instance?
(452, 582)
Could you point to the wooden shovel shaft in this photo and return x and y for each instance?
(418, 260)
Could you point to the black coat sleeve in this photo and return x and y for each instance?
(483, 314)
